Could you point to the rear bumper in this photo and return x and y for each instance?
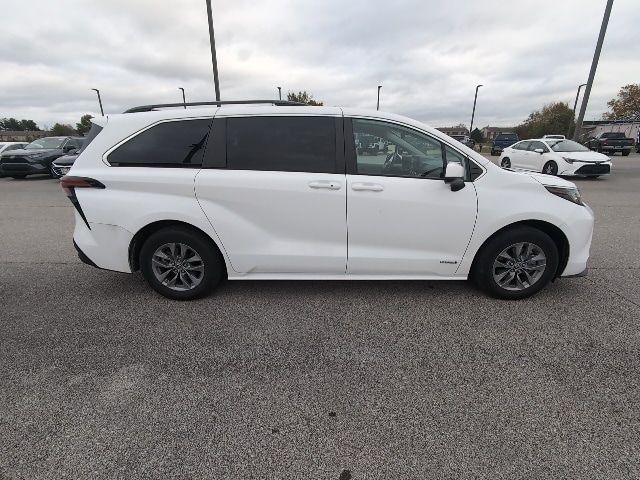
(102, 246)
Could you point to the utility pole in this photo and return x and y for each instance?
(280, 93)
(378, 104)
(214, 60)
(184, 101)
(473, 114)
(575, 105)
(99, 100)
(592, 72)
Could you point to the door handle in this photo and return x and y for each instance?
(371, 187)
(325, 184)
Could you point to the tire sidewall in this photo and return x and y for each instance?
(213, 267)
(506, 159)
(483, 268)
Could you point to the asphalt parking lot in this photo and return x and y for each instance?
(102, 378)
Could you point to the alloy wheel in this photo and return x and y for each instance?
(177, 266)
(519, 266)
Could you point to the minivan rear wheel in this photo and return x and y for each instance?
(505, 163)
(516, 263)
(180, 263)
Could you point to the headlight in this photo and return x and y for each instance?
(569, 160)
(571, 193)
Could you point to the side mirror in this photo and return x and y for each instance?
(454, 176)
(68, 148)
(539, 150)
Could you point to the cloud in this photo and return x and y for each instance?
(427, 55)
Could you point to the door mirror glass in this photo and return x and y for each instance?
(454, 170)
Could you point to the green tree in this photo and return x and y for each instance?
(61, 130)
(303, 97)
(85, 124)
(14, 124)
(477, 136)
(553, 118)
(626, 106)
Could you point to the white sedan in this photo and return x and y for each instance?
(555, 157)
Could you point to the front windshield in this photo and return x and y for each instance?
(41, 143)
(566, 146)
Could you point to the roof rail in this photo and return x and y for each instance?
(149, 108)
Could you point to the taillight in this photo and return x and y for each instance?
(69, 185)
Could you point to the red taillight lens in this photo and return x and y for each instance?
(69, 183)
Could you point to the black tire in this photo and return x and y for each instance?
(482, 270)
(626, 153)
(599, 149)
(506, 162)
(213, 265)
(17, 177)
(493, 153)
(550, 168)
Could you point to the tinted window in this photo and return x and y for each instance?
(286, 144)
(169, 144)
(396, 151)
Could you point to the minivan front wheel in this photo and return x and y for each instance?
(516, 263)
(180, 263)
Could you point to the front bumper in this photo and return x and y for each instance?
(585, 169)
(8, 168)
(579, 232)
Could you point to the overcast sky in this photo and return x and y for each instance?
(428, 55)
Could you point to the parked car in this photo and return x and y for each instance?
(61, 165)
(37, 156)
(611, 142)
(192, 196)
(555, 157)
(557, 137)
(465, 140)
(502, 141)
(370, 144)
(8, 146)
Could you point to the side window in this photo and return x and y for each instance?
(392, 150)
(285, 144)
(535, 145)
(168, 144)
(522, 145)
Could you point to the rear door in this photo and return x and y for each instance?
(274, 191)
(517, 155)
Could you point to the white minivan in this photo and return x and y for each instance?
(277, 190)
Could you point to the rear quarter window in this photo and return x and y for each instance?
(177, 144)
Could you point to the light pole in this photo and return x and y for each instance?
(214, 60)
(473, 113)
(184, 101)
(280, 93)
(592, 72)
(378, 104)
(99, 100)
(575, 104)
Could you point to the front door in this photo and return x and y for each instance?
(403, 219)
(279, 205)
